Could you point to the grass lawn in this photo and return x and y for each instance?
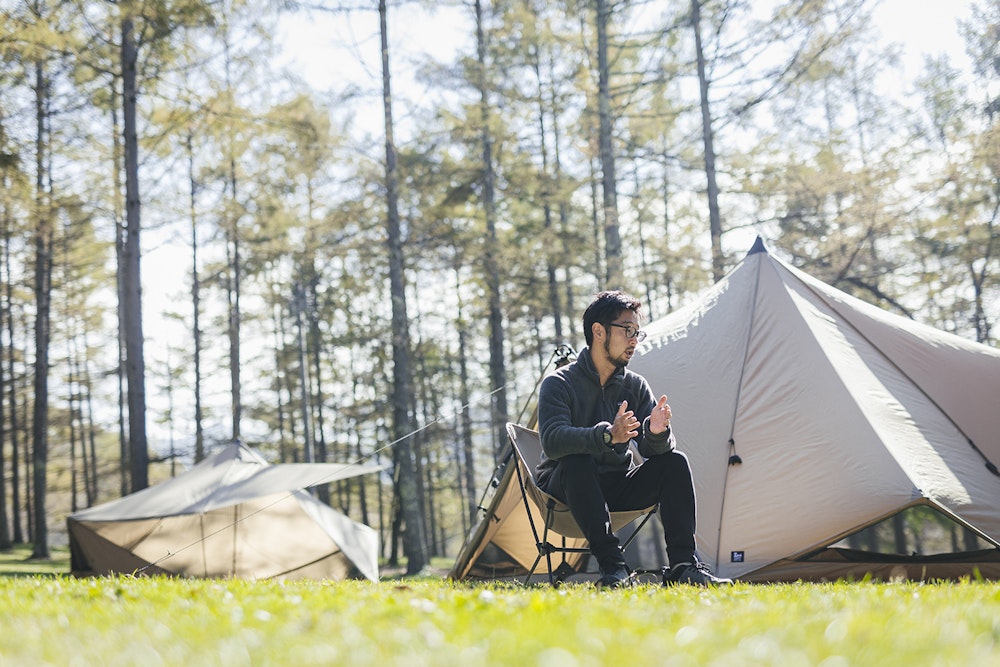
(17, 562)
(51, 619)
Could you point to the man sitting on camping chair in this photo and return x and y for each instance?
(588, 413)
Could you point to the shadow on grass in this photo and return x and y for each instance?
(437, 569)
(17, 562)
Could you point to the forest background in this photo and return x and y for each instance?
(359, 231)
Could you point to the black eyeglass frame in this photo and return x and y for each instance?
(636, 333)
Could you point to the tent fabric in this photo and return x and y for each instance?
(845, 564)
(840, 412)
(232, 515)
(807, 416)
(501, 544)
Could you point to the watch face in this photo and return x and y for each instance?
(607, 437)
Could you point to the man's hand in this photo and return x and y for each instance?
(659, 418)
(625, 426)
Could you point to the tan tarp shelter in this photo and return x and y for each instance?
(815, 423)
(232, 515)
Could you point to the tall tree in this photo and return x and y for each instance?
(959, 244)
(708, 138)
(44, 234)
(124, 454)
(982, 37)
(498, 371)
(614, 278)
(414, 540)
(828, 158)
(10, 173)
(465, 422)
(199, 429)
(12, 420)
(234, 281)
(5, 542)
(135, 364)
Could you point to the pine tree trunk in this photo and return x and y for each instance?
(314, 348)
(92, 486)
(5, 312)
(564, 223)
(124, 456)
(714, 218)
(550, 268)
(281, 377)
(362, 490)
(612, 239)
(468, 455)
(498, 371)
(300, 338)
(414, 540)
(233, 301)
(72, 409)
(43, 293)
(135, 366)
(234, 259)
(13, 422)
(199, 432)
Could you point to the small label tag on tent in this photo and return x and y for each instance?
(736, 556)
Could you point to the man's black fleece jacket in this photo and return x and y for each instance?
(574, 410)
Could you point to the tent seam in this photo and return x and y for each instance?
(736, 405)
(990, 465)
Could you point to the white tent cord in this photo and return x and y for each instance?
(288, 494)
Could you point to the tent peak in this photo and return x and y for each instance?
(758, 246)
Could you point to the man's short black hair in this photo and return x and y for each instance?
(606, 308)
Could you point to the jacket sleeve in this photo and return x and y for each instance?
(651, 444)
(559, 436)
(656, 443)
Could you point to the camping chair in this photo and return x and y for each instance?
(557, 520)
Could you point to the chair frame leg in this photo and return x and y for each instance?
(542, 544)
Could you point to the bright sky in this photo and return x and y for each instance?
(924, 27)
(317, 41)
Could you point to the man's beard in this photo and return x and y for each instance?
(619, 362)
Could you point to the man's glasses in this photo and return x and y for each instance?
(631, 331)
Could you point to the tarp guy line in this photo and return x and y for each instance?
(288, 494)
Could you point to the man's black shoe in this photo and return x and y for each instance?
(695, 573)
(615, 575)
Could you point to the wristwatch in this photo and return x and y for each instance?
(607, 437)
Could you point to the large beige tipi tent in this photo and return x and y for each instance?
(828, 437)
(812, 419)
(232, 515)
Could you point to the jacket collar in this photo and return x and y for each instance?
(587, 364)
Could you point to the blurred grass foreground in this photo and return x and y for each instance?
(52, 619)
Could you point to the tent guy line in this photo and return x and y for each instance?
(300, 537)
(325, 478)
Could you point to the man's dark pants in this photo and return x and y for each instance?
(591, 494)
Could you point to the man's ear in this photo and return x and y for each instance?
(598, 330)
